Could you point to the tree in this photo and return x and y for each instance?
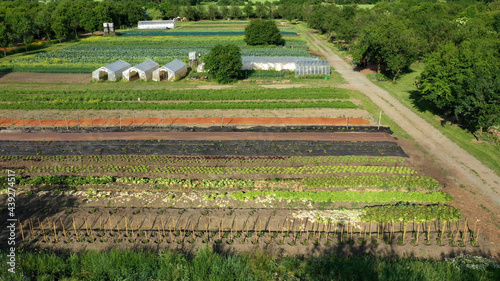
(4, 37)
(389, 44)
(260, 10)
(248, 10)
(213, 12)
(235, 12)
(464, 81)
(224, 63)
(155, 14)
(262, 32)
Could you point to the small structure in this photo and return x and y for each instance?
(111, 72)
(144, 70)
(193, 61)
(109, 28)
(157, 24)
(171, 71)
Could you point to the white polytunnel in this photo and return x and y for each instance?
(144, 70)
(111, 72)
(171, 71)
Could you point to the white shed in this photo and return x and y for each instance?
(157, 24)
(171, 71)
(111, 72)
(144, 70)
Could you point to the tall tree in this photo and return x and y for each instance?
(262, 32)
(464, 81)
(389, 44)
(224, 63)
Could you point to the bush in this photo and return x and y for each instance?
(224, 63)
(262, 32)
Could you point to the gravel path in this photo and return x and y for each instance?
(466, 168)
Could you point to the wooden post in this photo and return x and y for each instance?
(120, 121)
(66, 119)
(78, 120)
(39, 120)
(91, 121)
(163, 119)
(22, 231)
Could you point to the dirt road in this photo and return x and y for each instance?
(482, 184)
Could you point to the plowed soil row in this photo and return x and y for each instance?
(177, 121)
(215, 136)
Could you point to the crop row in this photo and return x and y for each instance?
(100, 105)
(193, 32)
(318, 196)
(385, 183)
(410, 213)
(347, 196)
(304, 170)
(163, 159)
(95, 53)
(372, 181)
(65, 96)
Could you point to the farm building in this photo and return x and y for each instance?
(157, 24)
(304, 65)
(173, 70)
(111, 72)
(144, 70)
(319, 67)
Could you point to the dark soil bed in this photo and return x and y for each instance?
(242, 148)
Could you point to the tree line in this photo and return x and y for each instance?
(24, 21)
(459, 43)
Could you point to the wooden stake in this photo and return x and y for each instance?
(55, 231)
(64, 230)
(475, 227)
(465, 230)
(442, 230)
(110, 226)
(31, 227)
(163, 227)
(404, 232)
(43, 230)
(74, 228)
(21, 226)
(418, 232)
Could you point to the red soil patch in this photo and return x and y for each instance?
(349, 136)
(268, 121)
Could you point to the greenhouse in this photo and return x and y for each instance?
(143, 71)
(273, 63)
(319, 67)
(111, 72)
(171, 71)
(157, 24)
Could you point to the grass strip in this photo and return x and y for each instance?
(99, 105)
(207, 264)
(66, 96)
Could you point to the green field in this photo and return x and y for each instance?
(135, 46)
